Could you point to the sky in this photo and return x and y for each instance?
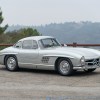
(41, 12)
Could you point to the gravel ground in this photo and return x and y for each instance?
(29, 84)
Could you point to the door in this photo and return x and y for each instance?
(28, 55)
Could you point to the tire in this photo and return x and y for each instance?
(11, 63)
(65, 67)
(90, 70)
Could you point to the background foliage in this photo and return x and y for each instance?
(11, 37)
(2, 29)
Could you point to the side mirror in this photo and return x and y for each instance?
(17, 46)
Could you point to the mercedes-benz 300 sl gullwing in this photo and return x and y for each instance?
(45, 52)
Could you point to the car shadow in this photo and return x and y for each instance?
(51, 72)
(82, 73)
(38, 71)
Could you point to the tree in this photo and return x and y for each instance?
(22, 33)
(2, 29)
(29, 32)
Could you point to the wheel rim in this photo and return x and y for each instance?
(11, 63)
(64, 67)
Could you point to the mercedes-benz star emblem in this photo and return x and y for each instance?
(95, 62)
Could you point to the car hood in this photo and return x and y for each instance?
(78, 52)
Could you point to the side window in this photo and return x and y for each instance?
(35, 45)
(30, 44)
(27, 44)
(41, 44)
(18, 44)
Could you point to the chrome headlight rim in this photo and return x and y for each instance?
(82, 60)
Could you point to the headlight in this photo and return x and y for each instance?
(82, 60)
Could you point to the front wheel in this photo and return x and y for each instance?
(90, 70)
(65, 67)
(11, 63)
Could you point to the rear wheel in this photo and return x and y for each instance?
(90, 70)
(11, 63)
(65, 67)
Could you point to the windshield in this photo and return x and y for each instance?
(49, 42)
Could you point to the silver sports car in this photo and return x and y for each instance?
(45, 52)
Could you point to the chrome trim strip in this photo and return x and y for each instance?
(34, 64)
(58, 56)
(8, 53)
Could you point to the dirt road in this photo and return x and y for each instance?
(29, 84)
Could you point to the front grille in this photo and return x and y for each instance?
(92, 62)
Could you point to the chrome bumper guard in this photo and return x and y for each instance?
(86, 67)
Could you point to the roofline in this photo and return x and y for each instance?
(35, 38)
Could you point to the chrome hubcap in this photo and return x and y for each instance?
(11, 63)
(64, 67)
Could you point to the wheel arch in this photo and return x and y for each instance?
(5, 57)
(56, 62)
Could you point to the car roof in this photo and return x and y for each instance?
(36, 38)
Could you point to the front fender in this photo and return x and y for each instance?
(54, 58)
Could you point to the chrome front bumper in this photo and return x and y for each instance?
(85, 67)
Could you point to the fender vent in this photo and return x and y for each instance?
(45, 59)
